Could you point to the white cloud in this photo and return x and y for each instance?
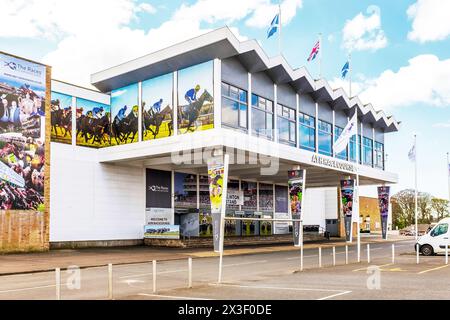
(364, 32)
(423, 81)
(147, 7)
(430, 20)
(445, 125)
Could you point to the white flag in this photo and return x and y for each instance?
(350, 130)
(412, 153)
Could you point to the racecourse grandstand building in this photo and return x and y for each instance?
(133, 153)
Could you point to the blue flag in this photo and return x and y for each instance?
(345, 69)
(274, 25)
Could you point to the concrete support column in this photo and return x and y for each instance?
(217, 82)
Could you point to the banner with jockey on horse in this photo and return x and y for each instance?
(124, 115)
(157, 107)
(195, 98)
(61, 118)
(93, 123)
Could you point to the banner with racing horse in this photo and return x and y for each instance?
(93, 123)
(61, 118)
(157, 107)
(195, 98)
(124, 115)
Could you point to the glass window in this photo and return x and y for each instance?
(440, 229)
(379, 155)
(337, 133)
(325, 137)
(262, 116)
(286, 125)
(250, 196)
(234, 107)
(367, 151)
(307, 132)
(204, 192)
(185, 190)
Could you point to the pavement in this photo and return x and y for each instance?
(255, 275)
(95, 257)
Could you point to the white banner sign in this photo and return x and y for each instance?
(159, 216)
(235, 198)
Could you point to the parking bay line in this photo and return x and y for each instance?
(171, 297)
(365, 268)
(432, 269)
(276, 288)
(26, 289)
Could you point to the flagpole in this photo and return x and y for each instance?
(320, 55)
(415, 185)
(279, 23)
(350, 75)
(357, 189)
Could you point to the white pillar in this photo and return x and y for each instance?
(74, 121)
(175, 103)
(316, 138)
(217, 94)
(297, 115)
(139, 111)
(275, 103)
(249, 102)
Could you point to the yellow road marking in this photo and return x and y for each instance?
(365, 268)
(433, 269)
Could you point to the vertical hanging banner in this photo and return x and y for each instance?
(296, 185)
(347, 193)
(383, 203)
(217, 176)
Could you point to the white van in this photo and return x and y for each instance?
(435, 240)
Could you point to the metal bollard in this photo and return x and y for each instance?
(154, 276)
(189, 272)
(368, 253)
(301, 258)
(393, 253)
(334, 256)
(58, 283)
(320, 257)
(110, 281)
(417, 253)
(346, 254)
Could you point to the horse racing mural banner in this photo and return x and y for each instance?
(93, 123)
(23, 89)
(124, 115)
(61, 118)
(195, 98)
(157, 107)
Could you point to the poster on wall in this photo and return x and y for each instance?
(124, 115)
(93, 123)
(157, 107)
(23, 90)
(383, 203)
(61, 118)
(189, 224)
(347, 193)
(281, 210)
(296, 186)
(195, 98)
(158, 189)
(205, 223)
(157, 231)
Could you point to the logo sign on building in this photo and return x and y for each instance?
(383, 203)
(157, 231)
(296, 185)
(347, 194)
(158, 189)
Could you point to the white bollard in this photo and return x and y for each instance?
(417, 253)
(154, 276)
(368, 253)
(346, 254)
(189, 272)
(110, 281)
(334, 256)
(58, 283)
(393, 253)
(301, 258)
(320, 257)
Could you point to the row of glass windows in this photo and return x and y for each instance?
(235, 115)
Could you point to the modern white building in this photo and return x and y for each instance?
(269, 117)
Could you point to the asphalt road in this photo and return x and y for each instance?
(274, 275)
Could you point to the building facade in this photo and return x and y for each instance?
(136, 149)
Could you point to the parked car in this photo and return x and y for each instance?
(436, 239)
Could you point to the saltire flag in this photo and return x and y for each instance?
(412, 153)
(350, 130)
(274, 25)
(345, 69)
(314, 51)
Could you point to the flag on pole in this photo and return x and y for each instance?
(350, 130)
(412, 153)
(314, 51)
(274, 26)
(345, 69)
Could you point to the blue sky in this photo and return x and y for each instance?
(400, 52)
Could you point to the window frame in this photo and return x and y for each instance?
(259, 101)
(311, 128)
(336, 136)
(366, 147)
(329, 134)
(291, 121)
(228, 96)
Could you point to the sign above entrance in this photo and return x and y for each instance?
(333, 163)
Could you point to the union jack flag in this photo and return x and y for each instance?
(314, 51)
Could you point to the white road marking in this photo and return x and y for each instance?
(276, 288)
(244, 263)
(26, 289)
(171, 297)
(334, 295)
(433, 269)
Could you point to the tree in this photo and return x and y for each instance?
(403, 208)
(440, 208)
